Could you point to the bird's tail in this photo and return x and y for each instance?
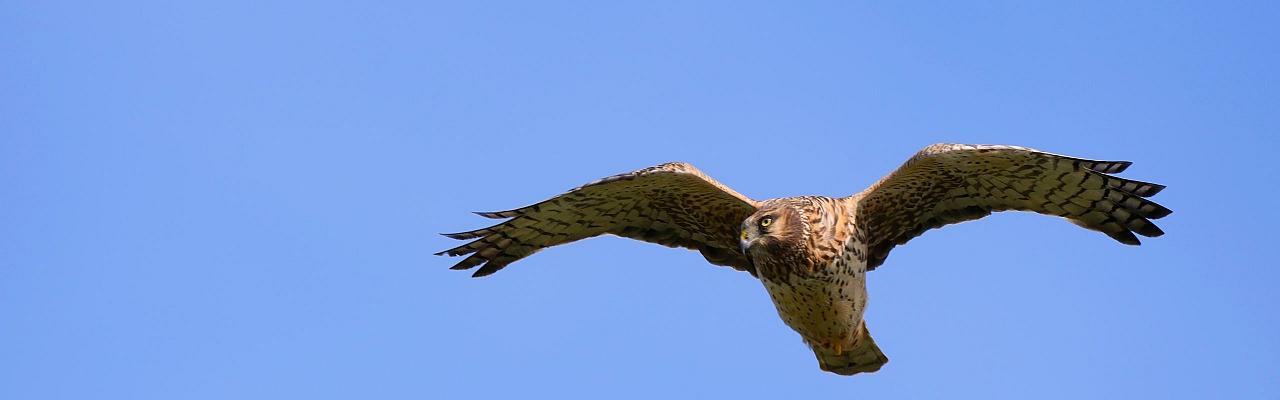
(862, 356)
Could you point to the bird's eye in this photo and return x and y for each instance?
(765, 221)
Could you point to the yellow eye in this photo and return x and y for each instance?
(765, 221)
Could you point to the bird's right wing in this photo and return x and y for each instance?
(672, 204)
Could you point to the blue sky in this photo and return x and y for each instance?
(239, 199)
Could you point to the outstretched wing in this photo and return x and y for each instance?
(672, 204)
(949, 183)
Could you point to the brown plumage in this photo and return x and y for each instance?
(812, 252)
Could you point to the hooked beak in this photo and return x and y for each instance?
(743, 243)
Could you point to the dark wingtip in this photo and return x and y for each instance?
(468, 263)
(1150, 230)
(1159, 212)
(484, 271)
(1155, 188)
(495, 214)
(1119, 166)
(1126, 237)
(477, 233)
(457, 235)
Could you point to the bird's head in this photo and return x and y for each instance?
(777, 231)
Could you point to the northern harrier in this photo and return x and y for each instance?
(812, 252)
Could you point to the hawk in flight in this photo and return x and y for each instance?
(812, 253)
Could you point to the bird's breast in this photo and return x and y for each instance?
(824, 306)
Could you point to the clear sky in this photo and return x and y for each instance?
(240, 199)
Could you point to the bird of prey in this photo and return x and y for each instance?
(812, 253)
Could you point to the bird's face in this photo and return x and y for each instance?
(774, 239)
(769, 230)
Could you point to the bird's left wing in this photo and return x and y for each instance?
(949, 183)
(672, 204)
